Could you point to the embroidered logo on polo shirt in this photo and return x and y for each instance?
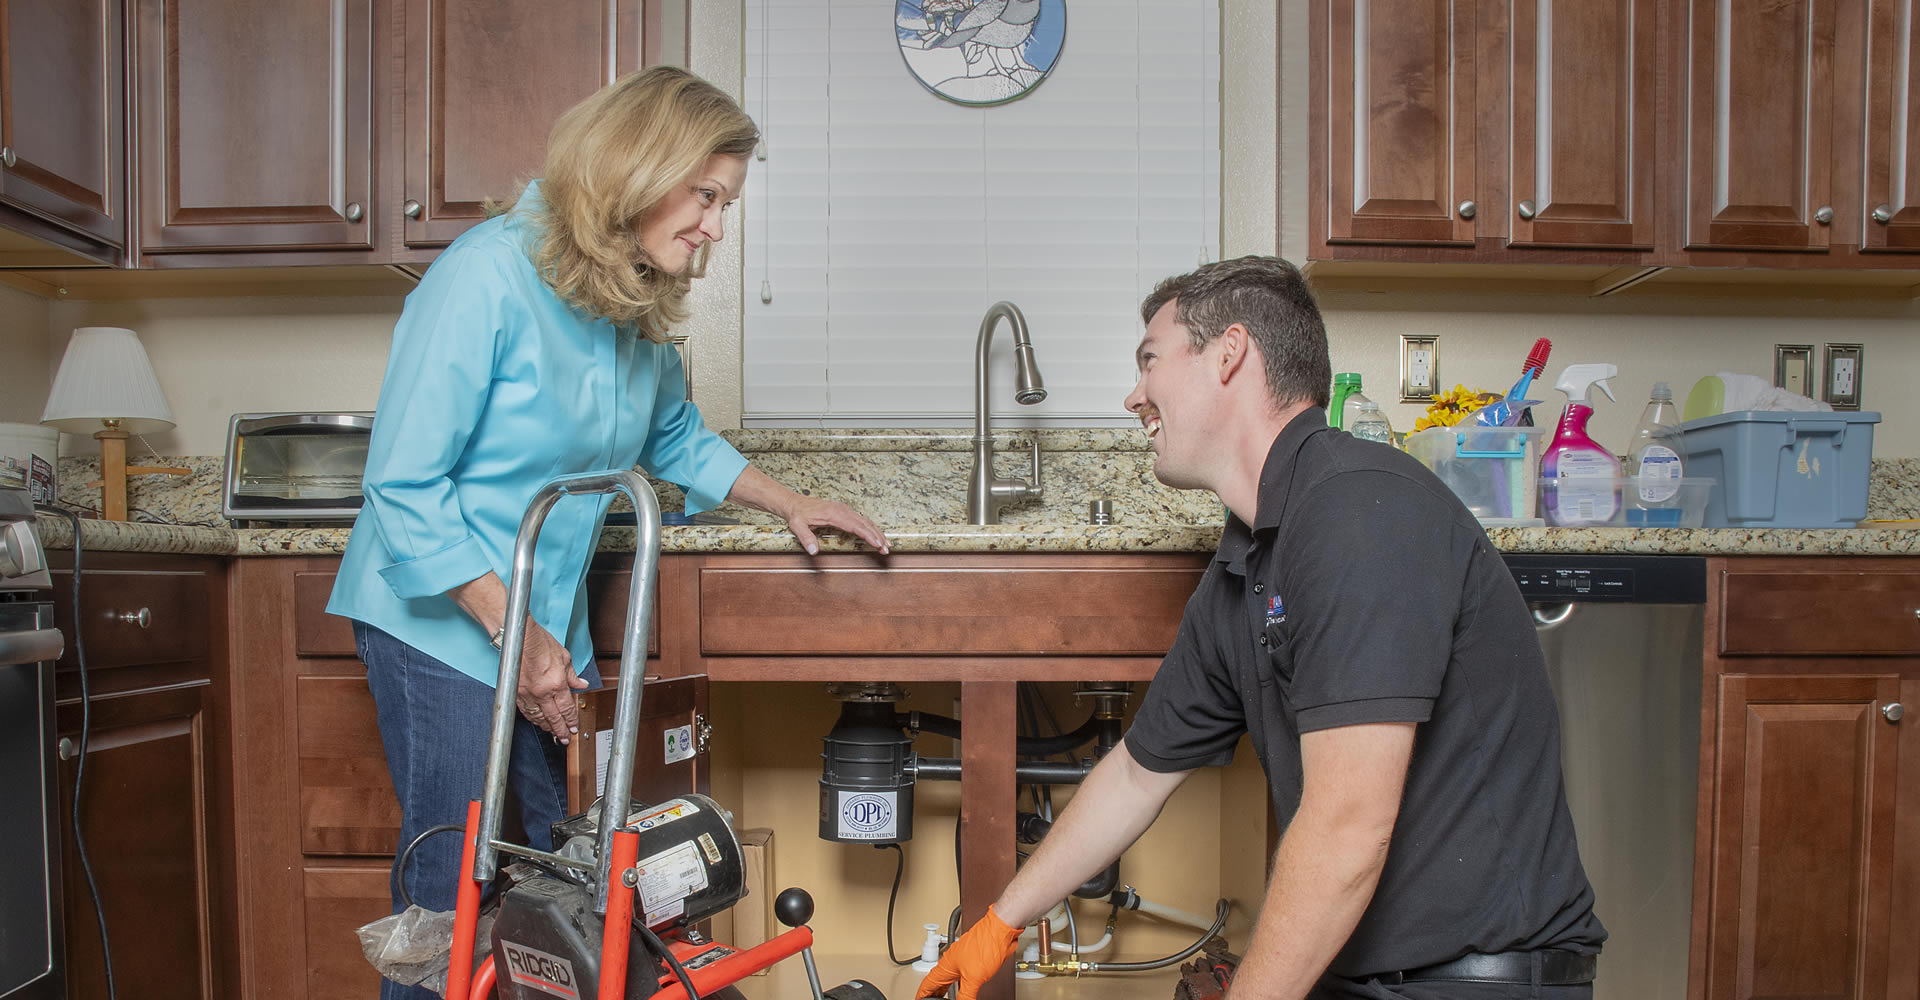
(1276, 610)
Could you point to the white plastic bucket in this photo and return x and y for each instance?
(30, 460)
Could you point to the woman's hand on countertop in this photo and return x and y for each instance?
(804, 514)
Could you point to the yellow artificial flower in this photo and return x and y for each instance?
(1451, 407)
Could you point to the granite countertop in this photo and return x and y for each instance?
(114, 536)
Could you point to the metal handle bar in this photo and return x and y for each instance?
(616, 795)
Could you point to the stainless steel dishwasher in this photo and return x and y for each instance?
(1622, 638)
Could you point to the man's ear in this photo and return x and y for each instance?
(1236, 347)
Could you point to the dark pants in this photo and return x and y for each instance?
(434, 723)
(1331, 988)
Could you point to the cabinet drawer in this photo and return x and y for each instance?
(1014, 611)
(177, 613)
(347, 806)
(339, 898)
(316, 633)
(1819, 613)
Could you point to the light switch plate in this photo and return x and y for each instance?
(1842, 385)
(1419, 368)
(1793, 368)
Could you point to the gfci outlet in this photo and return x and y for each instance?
(1419, 367)
(1842, 385)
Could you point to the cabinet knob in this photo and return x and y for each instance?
(1881, 213)
(412, 208)
(67, 749)
(1893, 711)
(1468, 208)
(1526, 209)
(7, 156)
(1823, 215)
(354, 212)
(142, 617)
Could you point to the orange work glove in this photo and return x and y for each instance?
(972, 959)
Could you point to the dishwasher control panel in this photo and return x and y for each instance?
(1638, 579)
(1565, 583)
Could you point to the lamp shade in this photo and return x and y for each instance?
(105, 375)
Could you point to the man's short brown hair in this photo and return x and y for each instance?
(1269, 297)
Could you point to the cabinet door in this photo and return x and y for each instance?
(1802, 844)
(1583, 89)
(339, 899)
(62, 114)
(1401, 121)
(1760, 124)
(485, 82)
(1892, 129)
(145, 817)
(255, 124)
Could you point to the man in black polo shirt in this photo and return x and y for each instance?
(1359, 627)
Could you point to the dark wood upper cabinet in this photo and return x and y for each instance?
(1892, 208)
(472, 132)
(63, 114)
(1582, 123)
(1760, 124)
(1401, 112)
(255, 125)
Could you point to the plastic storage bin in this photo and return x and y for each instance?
(1491, 469)
(1685, 508)
(1782, 470)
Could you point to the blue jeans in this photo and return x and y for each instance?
(435, 722)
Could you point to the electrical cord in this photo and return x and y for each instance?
(660, 948)
(80, 763)
(900, 866)
(398, 879)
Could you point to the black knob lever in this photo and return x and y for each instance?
(793, 907)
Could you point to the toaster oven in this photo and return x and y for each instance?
(296, 467)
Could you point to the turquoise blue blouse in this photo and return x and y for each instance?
(495, 386)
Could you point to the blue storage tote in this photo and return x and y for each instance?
(1782, 469)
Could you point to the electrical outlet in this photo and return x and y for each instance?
(1793, 368)
(1842, 387)
(1419, 367)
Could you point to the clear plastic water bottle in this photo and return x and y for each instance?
(1369, 424)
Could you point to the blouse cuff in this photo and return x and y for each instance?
(717, 476)
(439, 571)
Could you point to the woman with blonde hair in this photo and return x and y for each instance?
(538, 345)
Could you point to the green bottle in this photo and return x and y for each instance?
(1344, 384)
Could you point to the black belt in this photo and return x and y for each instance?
(1557, 968)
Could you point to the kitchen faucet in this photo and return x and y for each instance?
(987, 493)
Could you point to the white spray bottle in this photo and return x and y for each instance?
(1580, 479)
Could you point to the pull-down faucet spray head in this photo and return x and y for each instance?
(1028, 388)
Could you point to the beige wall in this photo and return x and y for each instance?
(26, 373)
(218, 357)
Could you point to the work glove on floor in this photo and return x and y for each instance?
(972, 959)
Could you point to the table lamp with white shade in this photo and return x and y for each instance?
(106, 387)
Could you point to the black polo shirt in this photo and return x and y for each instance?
(1365, 592)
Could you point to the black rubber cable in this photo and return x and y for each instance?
(398, 880)
(86, 727)
(899, 867)
(660, 948)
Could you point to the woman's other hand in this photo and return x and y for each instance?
(547, 683)
(804, 515)
(809, 513)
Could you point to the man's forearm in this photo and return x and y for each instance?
(1323, 879)
(1110, 811)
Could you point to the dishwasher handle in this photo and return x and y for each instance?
(1547, 617)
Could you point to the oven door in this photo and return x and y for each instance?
(30, 892)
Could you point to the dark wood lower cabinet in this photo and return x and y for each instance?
(1808, 839)
(153, 804)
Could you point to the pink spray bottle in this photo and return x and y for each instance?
(1580, 481)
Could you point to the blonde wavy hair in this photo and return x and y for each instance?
(611, 159)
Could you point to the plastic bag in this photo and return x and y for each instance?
(413, 947)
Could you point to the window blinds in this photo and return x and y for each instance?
(884, 220)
